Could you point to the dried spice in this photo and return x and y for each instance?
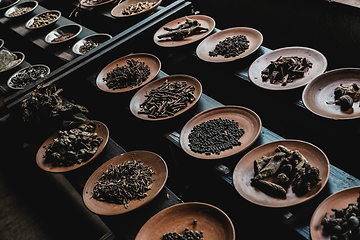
(167, 99)
(188, 28)
(138, 7)
(87, 46)
(231, 46)
(346, 95)
(123, 183)
(28, 75)
(214, 136)
(92, 1)
(130, 75)
(344, 223)
(187, 235)
(7, 60)
(289, 168)
(73, 146)
(20, 11)
(63, 37)
(45, 104)
(44, 19)
(286, 69)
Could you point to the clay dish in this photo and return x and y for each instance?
(101, 130)
(100, 3)
(96, 38)
(208, 44)
(318, 60)
(70, 28)
(152, 61)
(339, 200)
(321, 90)
(205, 21)
(7, 3)
(31, 4)
(10, 82)
(150, 159)
(118, 10)
(139, 96)
(32, 20)
(244, 172)
(212, 221)
(247, 119)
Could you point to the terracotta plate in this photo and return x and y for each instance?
(212, 221)
(150, 159)
(321, 90)
(247, 119)
(139, 97)
(31, 4)
(152, 61)
(100, 3)
(205, 21)
(318, 60)
(244, 172)
(338, 200)
(32, 20)
(102, 131)
(70, 28)
(208, 44)
(118, 10)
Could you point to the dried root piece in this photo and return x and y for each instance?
(272, 166)
(190, 27)
(346, 95)
(269, 188)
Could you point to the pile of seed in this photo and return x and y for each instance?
(130, 75)
(73, 146)
(44, 19)
(188, 235)
(214, 136)
(87, 46)
(138, 7)
(27, 76)
(167, 99)
(20, 11)
(63, 37)
(231, 46)
(123, 183)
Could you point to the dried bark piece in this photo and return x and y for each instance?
(272, 167)
(269, 188)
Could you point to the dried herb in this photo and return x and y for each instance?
(44, 19)
(123, 183)
(286, 69)
(231, 46)
(187, 235)
(20, 11)
(344, 223)
(138, 7)
(87, 46)
(190, 27)
(214, 136)
(7, 60)
(63, 37)
(290, 168)
(346, 95)
(73, 146)
(28, 75)
(167, 99)
(130, 75)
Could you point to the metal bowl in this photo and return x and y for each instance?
(118, 10)
(13, 86)
(58, 32)
(1, 43)
(20, 56)
(96, 38)
(31, 4)
(32, 20)
(7, 3)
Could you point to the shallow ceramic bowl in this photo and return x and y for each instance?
(212, 221)
(71, 28)
(10, 81)
(7, 3)
(97, 38)
(32, 20)
(20, 56)
(118, 10)
(31, 4)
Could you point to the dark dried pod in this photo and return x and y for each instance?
(345, 101)
(339, 91)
